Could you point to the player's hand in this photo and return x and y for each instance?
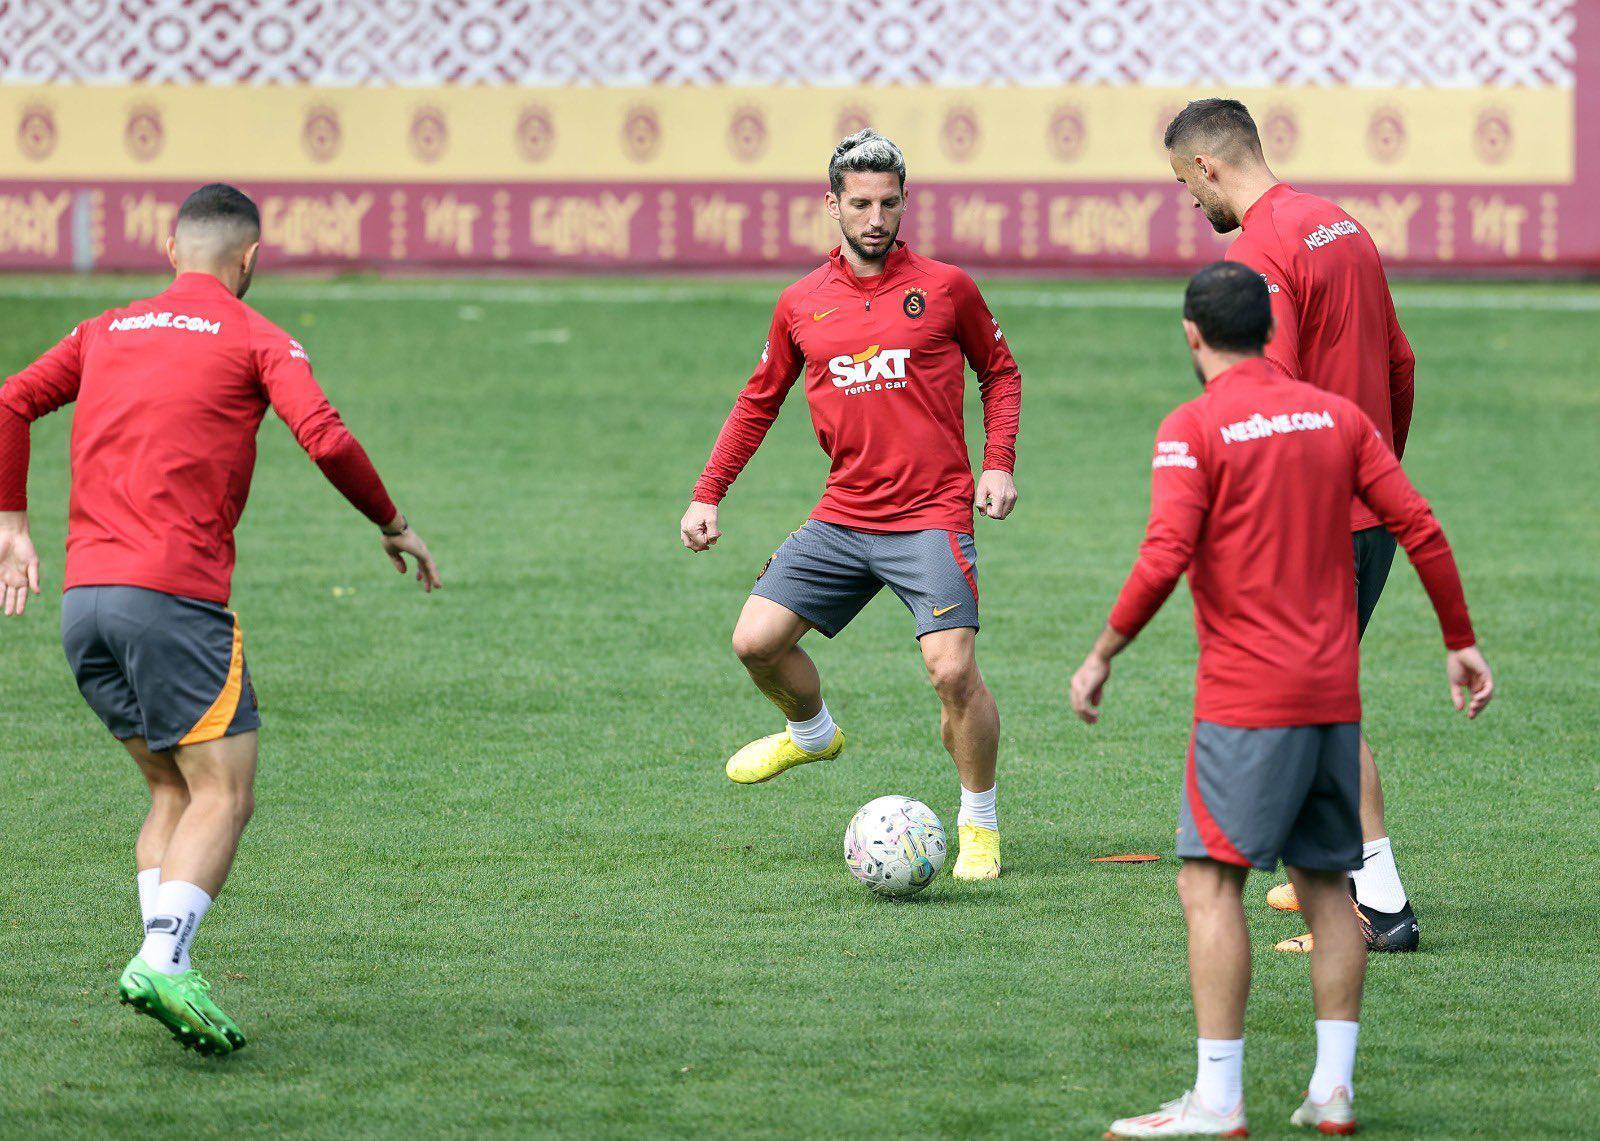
(1471, 683)
(699, 527)
(996, 495)
(19, 563)
(408, 542)
(1088, 687)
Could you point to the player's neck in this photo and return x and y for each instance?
(229, 279)
(864, 267)
(1250, 190)
(1213, 364)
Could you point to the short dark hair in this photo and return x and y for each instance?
(218, 202)
(1220, 125)
(1230, 304)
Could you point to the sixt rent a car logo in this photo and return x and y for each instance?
(166, 321)
(876, 364)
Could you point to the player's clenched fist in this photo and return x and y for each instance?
(699, 526)
(996, 494)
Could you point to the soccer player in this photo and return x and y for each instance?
(1335, 327)
(882, 334)
(169, 392)
(1250, 494)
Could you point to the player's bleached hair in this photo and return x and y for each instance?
(866, 151)
(1222, 127)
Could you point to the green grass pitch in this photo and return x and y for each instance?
(498, 884)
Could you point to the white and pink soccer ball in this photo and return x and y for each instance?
(895, 845)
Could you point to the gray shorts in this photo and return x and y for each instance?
(1374, 550)
(1253, 797)
(158, 666)
(826, 573)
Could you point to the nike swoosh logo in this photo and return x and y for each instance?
(939, 612)
(824, 313)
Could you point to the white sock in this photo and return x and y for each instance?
(149, 881)
(816, 734)
(978, 808)
(1378, 880)
(1220, 1080)
(179, 908)
(1336, 1058)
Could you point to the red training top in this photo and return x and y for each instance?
(1250, 487)
(170, 391)
(1336, 325)
(883, 358)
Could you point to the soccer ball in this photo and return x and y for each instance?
(895, 845)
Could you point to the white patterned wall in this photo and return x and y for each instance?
(1435, 43)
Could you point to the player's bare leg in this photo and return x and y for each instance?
(969, 719)
(1219, 946)
(1338, 971)
(1372, 826)
(1219, 975)
(221, 777)
(969, 725)
(767, 640)
(169, 799)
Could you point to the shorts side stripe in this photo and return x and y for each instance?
(1218, 846)
(217, 719)
(961, 561)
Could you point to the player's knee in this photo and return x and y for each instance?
(1201, 890)
(232, 799)
(244, 807)
(755, 648)
(170, 794)
(955, 678)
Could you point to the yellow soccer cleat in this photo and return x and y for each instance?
(764, 759)
(1300, 944)
(980, 853)
(1283, 898)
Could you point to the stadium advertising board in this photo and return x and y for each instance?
(1480, 150)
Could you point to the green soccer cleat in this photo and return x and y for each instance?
(183, 1004)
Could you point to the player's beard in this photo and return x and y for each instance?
(867, 255)
(1219, 214)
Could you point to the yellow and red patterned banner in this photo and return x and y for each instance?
(682, 134)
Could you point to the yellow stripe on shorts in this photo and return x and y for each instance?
(217, 719)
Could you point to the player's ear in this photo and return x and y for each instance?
(1191, 335)
(249, 263)
(830, 201)
(172, 250)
